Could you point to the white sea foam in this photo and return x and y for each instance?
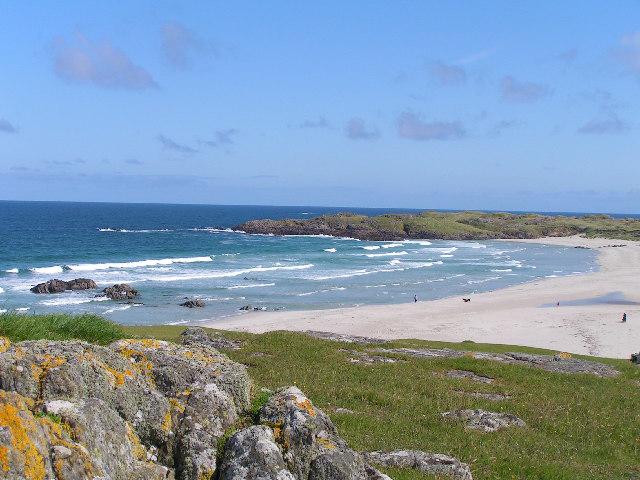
(215, 230)
(117, 309)
(424, 243)
(358, 273)
(371, 247)
(71, 300)
(47, 270)
(388, 254)
(3, 310)
(483, 280)
(443, 250)
(446, 255)
(22, 309)
(124, 230)
(179, 322)
(333, 289)
(1, 289)
(226, 273)
(254, 285)
(392, 245)
(12, 270)
(330, 250)
(498, 270)
(89, 267)
(395, 261)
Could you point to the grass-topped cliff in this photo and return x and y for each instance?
(578, 426)
(450, 226)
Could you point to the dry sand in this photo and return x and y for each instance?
(511, 315)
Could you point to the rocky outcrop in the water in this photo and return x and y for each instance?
(59, 286)
(120, 291)
(193, 303)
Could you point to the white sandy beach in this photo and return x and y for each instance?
(512, 315)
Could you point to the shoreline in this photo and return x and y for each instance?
(588, 320)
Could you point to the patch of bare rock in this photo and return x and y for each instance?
(356, 356)
(341, 337)
(483, 420)
(193, 303)
(552, 363)
(429, 463)
(474, 377)
(199, 336)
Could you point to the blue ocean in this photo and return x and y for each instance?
(170, 252)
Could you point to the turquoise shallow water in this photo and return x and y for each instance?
(169, 252)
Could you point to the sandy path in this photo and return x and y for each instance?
(511, 316)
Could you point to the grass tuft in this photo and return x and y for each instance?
(90, 328)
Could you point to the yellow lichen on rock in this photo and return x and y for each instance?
(137, 448)
(5, 343)
(4, 458)
(19, 421)
(307, 406)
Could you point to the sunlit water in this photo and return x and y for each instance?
(169, 252)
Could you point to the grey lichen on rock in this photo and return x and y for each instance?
(139, 409)
(483, 420)
(429, 463)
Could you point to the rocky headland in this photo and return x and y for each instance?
(448, 226)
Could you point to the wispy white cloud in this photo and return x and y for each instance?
(7, 127)
(357, 129)
(610, 124)
(524, 92)
(446, 74)
(628, 53)
(180, 44)
(410, 126)
(169, 144)
(82, 60)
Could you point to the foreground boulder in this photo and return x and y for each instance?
(59, 286)
(120, 291)
(311, 445)
(138, 409)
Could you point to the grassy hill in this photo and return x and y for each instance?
(578, 426)
(450, 225)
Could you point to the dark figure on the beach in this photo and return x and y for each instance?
(558, 304)
(624, 318)
(466, 300)
(415, 299)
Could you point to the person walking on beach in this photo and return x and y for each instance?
(624, 318)
(415, 299)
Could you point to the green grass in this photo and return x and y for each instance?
(91, 328)
(578, 426)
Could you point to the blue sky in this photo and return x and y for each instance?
(487, 105)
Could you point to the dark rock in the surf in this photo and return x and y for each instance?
(120, 291)
(81, 284)
(193, 303)
(59, 286)
(246, 308)
(251, 308)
